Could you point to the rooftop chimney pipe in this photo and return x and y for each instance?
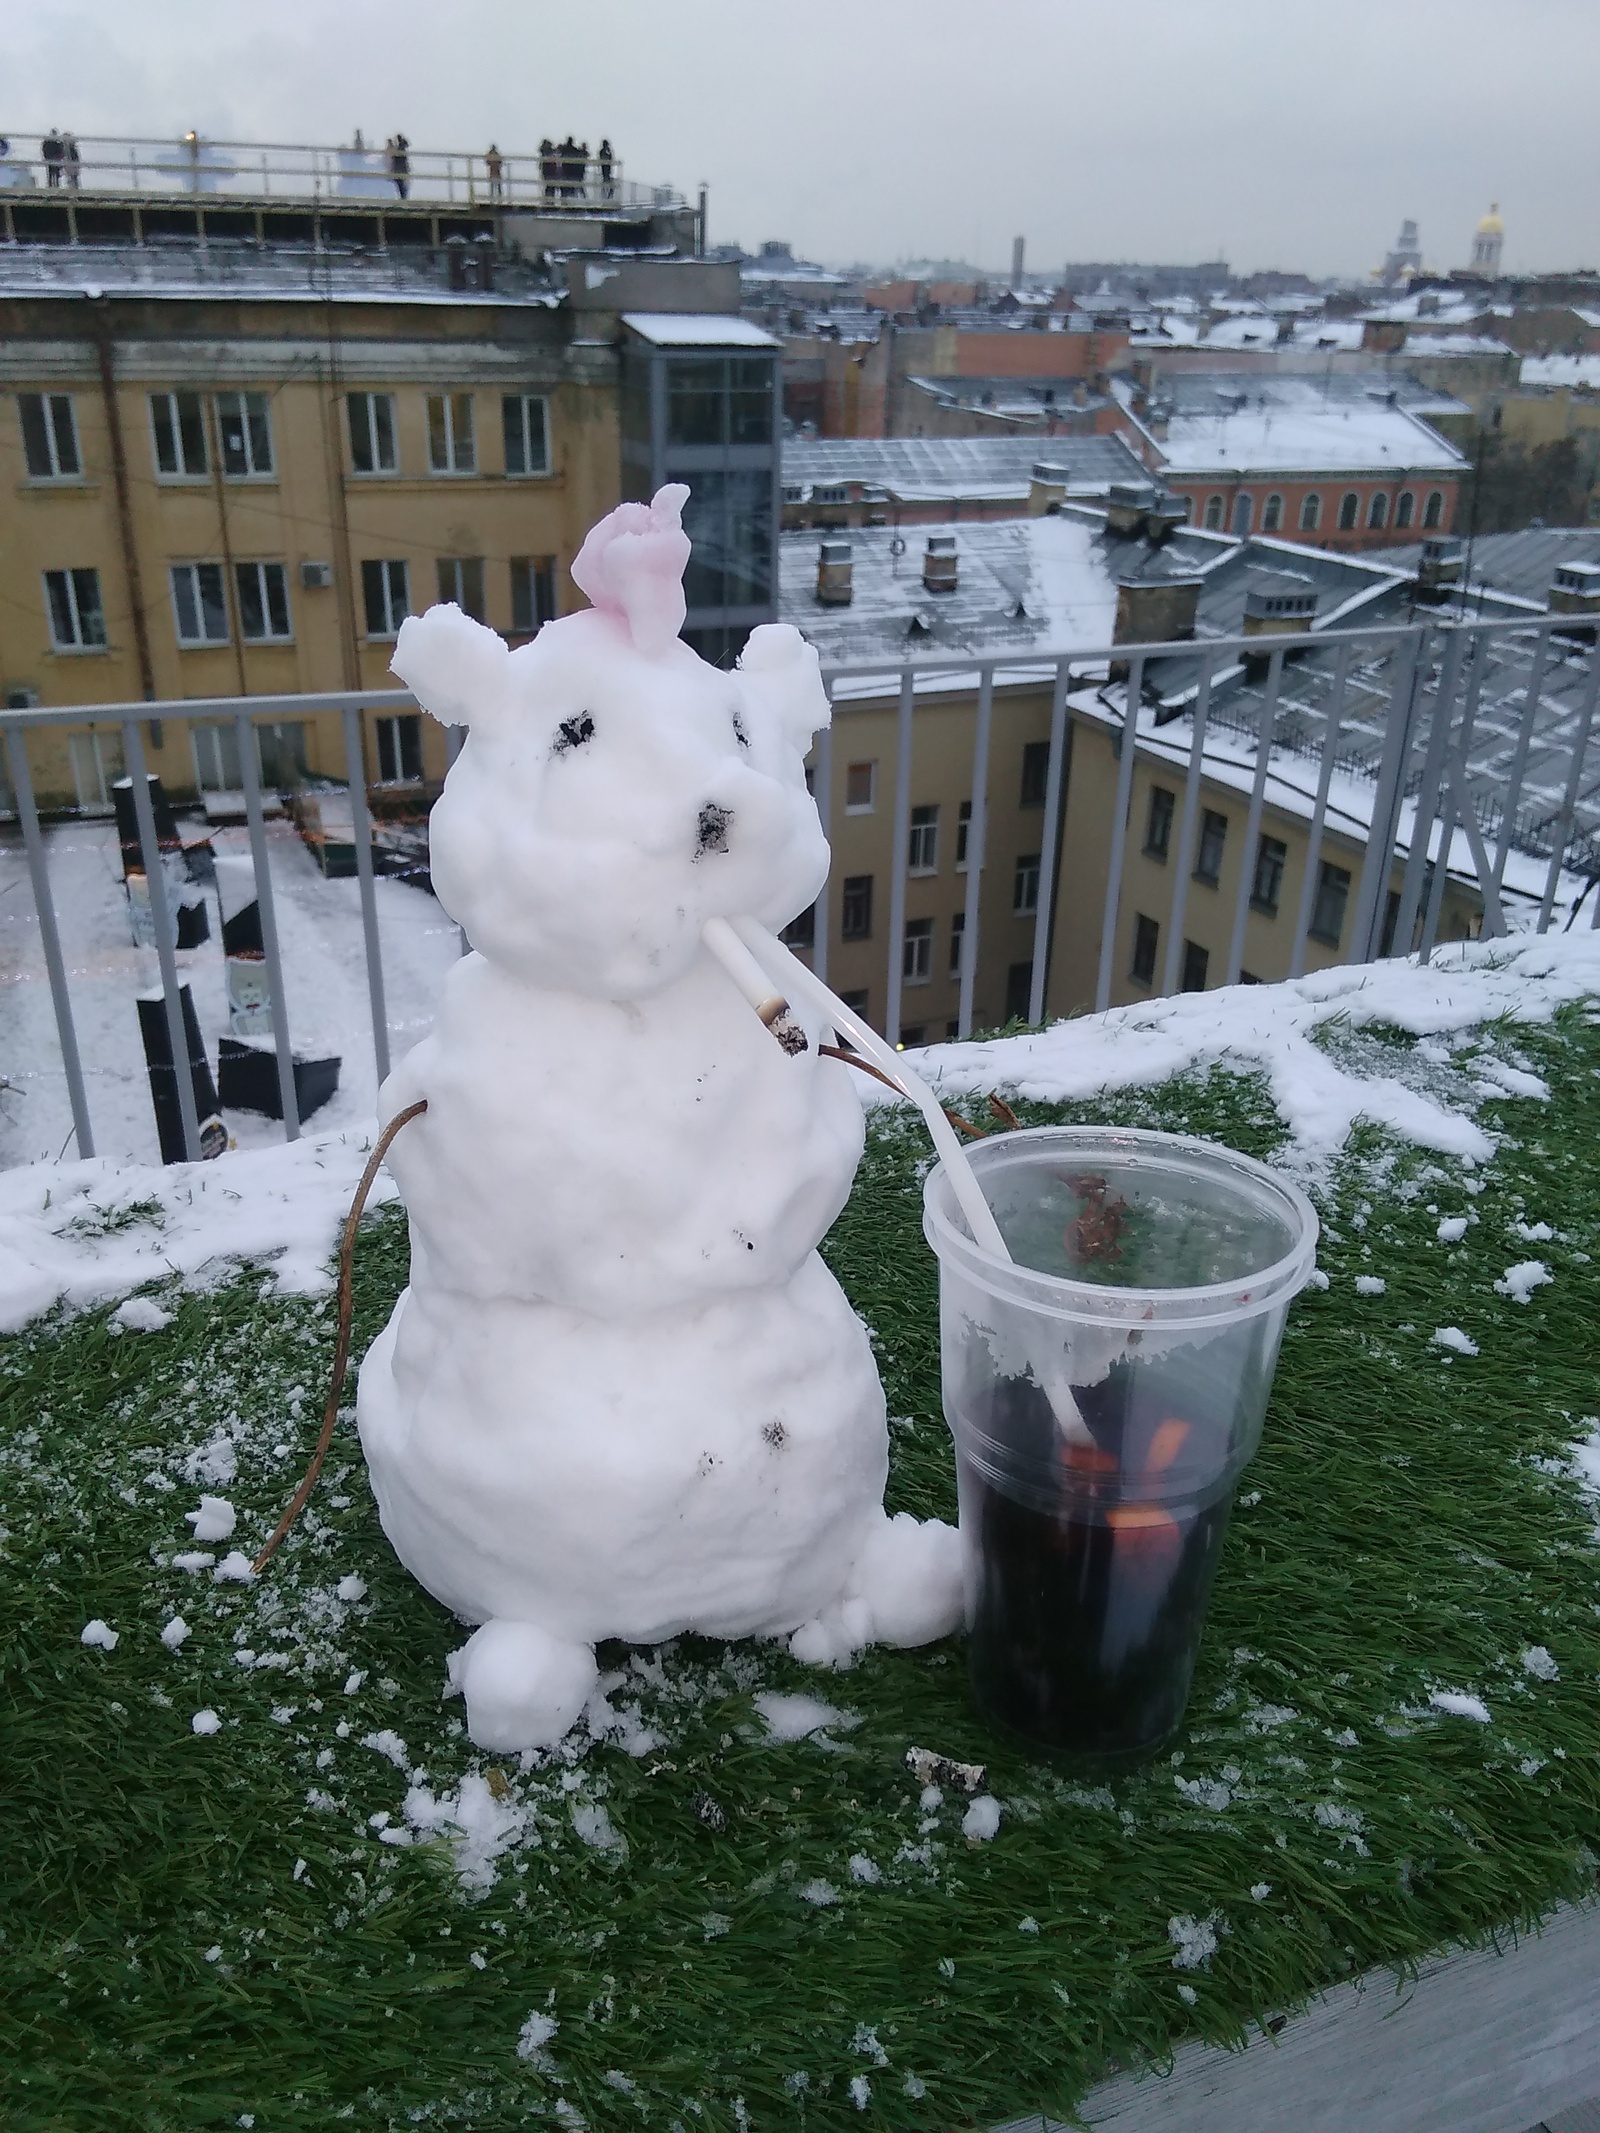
(939, 567)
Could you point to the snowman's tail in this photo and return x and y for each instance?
(341, 1350)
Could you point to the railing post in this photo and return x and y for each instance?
(1132, 692)
(1519, 757)
(1055, 774)
(355, 765)
(1265, 728)
(977, 839)
(49, 936)
(1569, 797)
(822, 794)
(1189, 824)
(166, 932)
(1423, 815)
(1319, 811)
(897, 865)
(1386, 802)
(250, 772)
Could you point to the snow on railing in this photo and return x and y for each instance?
(1467, 740)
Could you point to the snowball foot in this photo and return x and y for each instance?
(524, 1687)
(905, 1589)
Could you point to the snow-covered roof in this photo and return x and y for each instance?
(1281, 423)
(915, 469)
(693, 329)
(1578, 370)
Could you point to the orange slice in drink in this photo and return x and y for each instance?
(1165, 1445)
(1146, 1531)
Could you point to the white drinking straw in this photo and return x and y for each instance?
(772, 960)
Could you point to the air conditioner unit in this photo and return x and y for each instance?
(21, 699)
(316, 577)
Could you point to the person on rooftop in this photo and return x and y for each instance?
(400, 163)
(549, 167)
(54, 150)
(494, 164)
(607, 162)
(72, 161)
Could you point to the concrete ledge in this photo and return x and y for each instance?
(1480, 2042)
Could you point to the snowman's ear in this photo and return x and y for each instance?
(453, 666)
(781, 671)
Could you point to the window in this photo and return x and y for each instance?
(1433, 509)
(178, 424)
(533, 592)
(1327, 913)
(527, 429)
(922, 855)
(1311, 513)
(1214, 513)
(374, 448)
(728, 518)
(400, 749)
(200, 604)
(1146, 933)
(1035, 773)
(1019, 991)
(1213, 835)
(1025, 885)
(801, 932)
(49, 436)
(855, 908)
(1378, 512)
(262, 590)
(719, 400)
(452, 448)
(461, 580)
(1196, 962)
(1243, 509)
(860, 788)
(963, 824)
(1267, 887)
(912, 1033)
(857, 1002)
(916, 958)
(1272, 514)
(96, 766)
(958, 929)
(1349, 511)
(77, 620)
(1158, 828)
(1405, 509)
(386, 591)
(246, 434)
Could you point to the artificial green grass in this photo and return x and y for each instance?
(188, 1944)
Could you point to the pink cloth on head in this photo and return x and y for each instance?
(632, 564)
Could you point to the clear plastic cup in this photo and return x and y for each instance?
(1105, 1390)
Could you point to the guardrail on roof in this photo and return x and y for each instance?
(1480, 728)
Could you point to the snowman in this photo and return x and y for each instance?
(622, 1396)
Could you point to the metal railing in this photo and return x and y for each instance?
(1482, 727)
(191, 166)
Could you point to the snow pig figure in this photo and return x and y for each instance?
(621, 1395)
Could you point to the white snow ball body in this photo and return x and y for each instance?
(622, 1396)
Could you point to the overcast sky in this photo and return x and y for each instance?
(1287, 133)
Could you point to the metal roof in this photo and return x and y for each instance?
(691, 329)
(925, 467)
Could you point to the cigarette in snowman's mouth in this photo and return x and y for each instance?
(754, 983)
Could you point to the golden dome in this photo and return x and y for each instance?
(1491, 225)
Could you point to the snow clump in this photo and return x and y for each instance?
(1458, 1704)
(1537, 1661)
(98, 1633)
(215, 1519)
(797, 1717)
(1452, 1229)
(535, 2034)
(140, 1314)
(981, 1820)
(1519, 1281)
(174, 1633)
(1194, 1940)
(205, 1722)
(1453, 1338)
(1370, 1285)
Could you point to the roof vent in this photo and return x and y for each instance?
(1156, 611)
(1127, 502)
(1576, 591)
(939, 564)
(1439, 568)
(834, 574)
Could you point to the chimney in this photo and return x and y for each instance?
(1439, 571)
(1278, 614)
(1165, 515)
(1047, 489)
(939, 568)
(1155, 611)
(1385, 335)
(1576, 591)
(1016, 262)
(1127, 502)
(833, 574)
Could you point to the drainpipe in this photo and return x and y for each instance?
(100, 334)
(230, 590)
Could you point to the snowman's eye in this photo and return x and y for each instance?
(714, 822)
(739, 732)
(572, 733)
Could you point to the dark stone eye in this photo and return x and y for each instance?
(714, 822)
(572, 733)
(739, 732)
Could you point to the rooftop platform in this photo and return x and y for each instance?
(740, 1911)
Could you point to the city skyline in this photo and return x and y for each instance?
(1293, 138)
